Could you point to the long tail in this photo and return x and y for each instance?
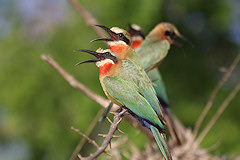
(160, 139)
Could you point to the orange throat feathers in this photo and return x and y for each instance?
(117, 48)
(104, 68)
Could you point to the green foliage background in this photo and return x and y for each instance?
(37, 106)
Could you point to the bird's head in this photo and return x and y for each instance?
(137, 35)
(118, 40)
(167, 31)
(105, 59)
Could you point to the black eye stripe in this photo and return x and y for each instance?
(122, 37)
(170, 34)
(108, 55)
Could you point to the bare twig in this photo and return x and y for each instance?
(83, 140)
(213, 95)
(74, 83)
(109, 120)
(86, 137)
(105, 135)
(88, 18)
(116, 120)
(217, 114)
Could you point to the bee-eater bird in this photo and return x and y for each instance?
(137, 35)
(126, 84)
(151, 52)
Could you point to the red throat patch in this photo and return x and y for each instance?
(117, 48)
(136, 44)
(105, 68)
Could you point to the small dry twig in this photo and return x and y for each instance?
(86, 137)
(87, 133)
(213, 95)
(105, 135)
(116, 120)
(109, 120)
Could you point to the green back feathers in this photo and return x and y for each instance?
(132, 88)
(151, 53)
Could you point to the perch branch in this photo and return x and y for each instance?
(109, 120)
(86, 137)
(116, 120)
(75, 84)
(213, 95)
(217, 114)
(88, 18)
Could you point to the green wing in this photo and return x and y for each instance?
(158, 84)
(127, 94)
(134, 73)
(151, 53)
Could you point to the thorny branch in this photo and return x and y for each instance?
(116, 120)
(213, 95)
(86, 137)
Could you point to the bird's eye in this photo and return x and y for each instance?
(168, 33)
(171, 34)
(120, 35)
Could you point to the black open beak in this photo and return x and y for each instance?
(111, 34)
(96, 54)
(185, 39)
(179, 46)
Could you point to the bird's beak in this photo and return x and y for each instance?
(99, 56)
(185, 39)
(179, 46)
(111, 34)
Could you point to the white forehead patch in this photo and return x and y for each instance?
(136, 27)
(100, 50)
(117, 30)
(102, 62)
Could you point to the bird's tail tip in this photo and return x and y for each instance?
(161, 142)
